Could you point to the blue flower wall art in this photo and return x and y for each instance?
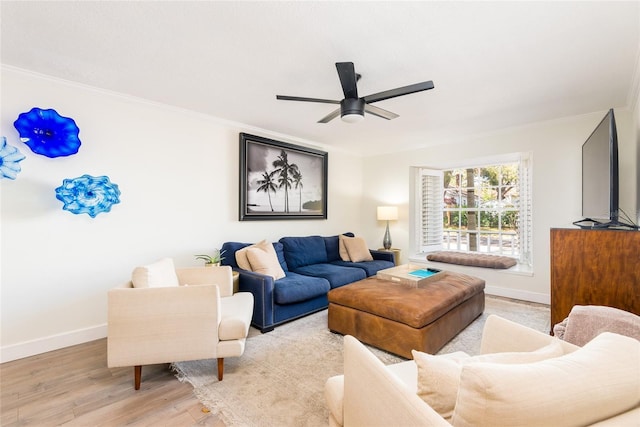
(88, 194)
(48, 133)
(9, 158)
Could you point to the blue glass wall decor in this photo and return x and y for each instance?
(48, 133)
(88, 194)
(9, 158)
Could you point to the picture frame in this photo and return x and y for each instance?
(280, 181)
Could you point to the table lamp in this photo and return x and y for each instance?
(387, 213)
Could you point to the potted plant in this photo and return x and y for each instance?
(214, 259)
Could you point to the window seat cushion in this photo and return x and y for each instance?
(472, 259)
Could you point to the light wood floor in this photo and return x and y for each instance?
(74, 386)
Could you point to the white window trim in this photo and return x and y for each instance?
(435, 228)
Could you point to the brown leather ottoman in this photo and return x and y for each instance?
(399, 318)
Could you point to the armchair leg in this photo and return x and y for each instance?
(137, 373)
(220, 368)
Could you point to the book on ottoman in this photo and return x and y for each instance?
(410, 275)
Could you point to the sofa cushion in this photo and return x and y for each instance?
(593, 383)
(235, 316)
(265, 262)
(439, 376)
(473, 259)
(159, 274)
(297, 287)
(335, 274)
(332, 246)
(370, 267)
(357, 249)
(302, 251)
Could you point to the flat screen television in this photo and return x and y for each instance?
(600, 185)
(600, 189)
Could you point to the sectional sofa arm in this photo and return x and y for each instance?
(502, 335)
(374, 396)
(261, 286)
(382, 255)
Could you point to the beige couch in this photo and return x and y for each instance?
(598, 384)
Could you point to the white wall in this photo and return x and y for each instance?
(178, 174)
(556, 152)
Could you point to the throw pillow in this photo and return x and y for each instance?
(595, 382)
(439, 376)
(159, 274)
(241, 254)
(265, 262)
(342, 249)
(357, 249)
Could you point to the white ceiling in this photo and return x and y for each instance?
(494, 64)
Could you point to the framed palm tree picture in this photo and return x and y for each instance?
(279, 180)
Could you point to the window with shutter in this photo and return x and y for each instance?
(484, 208)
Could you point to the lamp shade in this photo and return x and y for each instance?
(387, 213)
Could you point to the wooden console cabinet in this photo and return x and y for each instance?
(594, 267)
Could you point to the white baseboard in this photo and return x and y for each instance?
(52, 342)
(517, 294)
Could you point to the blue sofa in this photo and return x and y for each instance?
(312, 266)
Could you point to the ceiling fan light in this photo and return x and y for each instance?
(352, 110)
(352, 118)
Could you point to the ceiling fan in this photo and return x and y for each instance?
(352, 107)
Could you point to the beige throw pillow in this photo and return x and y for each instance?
(160, 274)
(342, 249)
(265, 262)
(357, 249)
(439, 376)
(241, 254)
(595, 382)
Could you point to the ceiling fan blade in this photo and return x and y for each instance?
(299, 98)
(348, 79)
(332, 115)
(376, 111)
(405, 90)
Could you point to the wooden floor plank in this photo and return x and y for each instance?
(74, 387)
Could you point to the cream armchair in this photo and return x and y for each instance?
(169, 315)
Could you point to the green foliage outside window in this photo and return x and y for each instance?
(482, 201)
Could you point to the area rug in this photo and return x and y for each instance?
(279, 380)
